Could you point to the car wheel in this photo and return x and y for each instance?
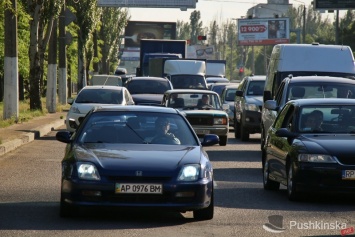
(263, 158)
(206, 213)
(262, 139)
(65, 209)
(236, 130)
(223, 140)
(244, 133)
(267, 182)
(292, 194)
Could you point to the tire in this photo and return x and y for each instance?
(292, 193)
(267, 182)
(244, 133)
(262, 139)
(65, 210)
(236, 130)
(206, 213)
(223, 140)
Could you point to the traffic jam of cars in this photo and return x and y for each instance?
(142, 144)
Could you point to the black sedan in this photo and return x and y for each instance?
(137, 156)
(310, 148)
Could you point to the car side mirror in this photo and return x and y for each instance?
(267, 96)
(239, 93)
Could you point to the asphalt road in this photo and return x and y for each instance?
(30, 190)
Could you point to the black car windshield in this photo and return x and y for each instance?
(256, 88)
(99, 96)
(194, 101)
(188, 82)
(327, 119)
(136, 127)
(321, 90)
(148, 86)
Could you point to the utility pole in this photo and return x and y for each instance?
(51, 93)
(304, 25)
(11, 81)
(337, 27)
(62, 71)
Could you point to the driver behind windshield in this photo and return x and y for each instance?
(163, 136)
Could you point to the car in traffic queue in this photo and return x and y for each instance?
(210, 118)
(148, 90)
(227, 97)
(303, 87)
(310, 148)
(91, 96)
(118, 159)
(247, 106)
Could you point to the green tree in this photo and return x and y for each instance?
(87, 19)
(183, 30)
(113, 22)
(196, 26)
(42, 14)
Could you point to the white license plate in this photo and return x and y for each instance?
(139, 188)
(202, 131)
(348, 174)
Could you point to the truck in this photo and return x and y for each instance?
(183, 73)
(149, 48)
(215, 68)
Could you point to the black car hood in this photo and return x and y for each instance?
(329, 143)
(147, 99)
(142, 157)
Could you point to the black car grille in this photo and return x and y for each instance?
(347, 159)
(144, 179)
(205, 120)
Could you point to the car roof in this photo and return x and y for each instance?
(195, 91)
(136, 108)
(256, 77)
(150, 78)
(305, 79)
(236, 85)
(103, 87)
(323, 101)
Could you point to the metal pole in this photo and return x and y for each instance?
(337, 28)
(304, 25)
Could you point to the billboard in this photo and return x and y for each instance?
(201, 52)
(263, 31)
(137, 30)
(334, 4)
(150, 4)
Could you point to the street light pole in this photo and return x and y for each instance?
(304, 25)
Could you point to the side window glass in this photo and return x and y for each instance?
(279, 93)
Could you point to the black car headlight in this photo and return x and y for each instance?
(189, 173)
(87, 171)
(316, 158)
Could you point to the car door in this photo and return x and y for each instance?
(278, 147)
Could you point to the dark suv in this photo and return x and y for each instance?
(247, 106)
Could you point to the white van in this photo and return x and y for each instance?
(307, 60)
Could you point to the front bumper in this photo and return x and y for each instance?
(323, 178)
(252, 121)
(203, 130)
(179, 197)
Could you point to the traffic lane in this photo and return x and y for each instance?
(238, 173)
(29, 203)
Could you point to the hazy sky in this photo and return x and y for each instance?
(219, 10)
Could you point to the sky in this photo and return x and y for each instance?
(211, 10)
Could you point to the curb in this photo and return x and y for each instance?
(30, 136)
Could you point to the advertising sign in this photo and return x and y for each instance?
(137, 30)
(263, 31)
(201, 52)
(145, 3)
(334, 4)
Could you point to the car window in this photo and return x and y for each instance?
(335, 119)
(133, 127)
(256, 88)
(148, 86)
(99, 96)
(193, 101)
